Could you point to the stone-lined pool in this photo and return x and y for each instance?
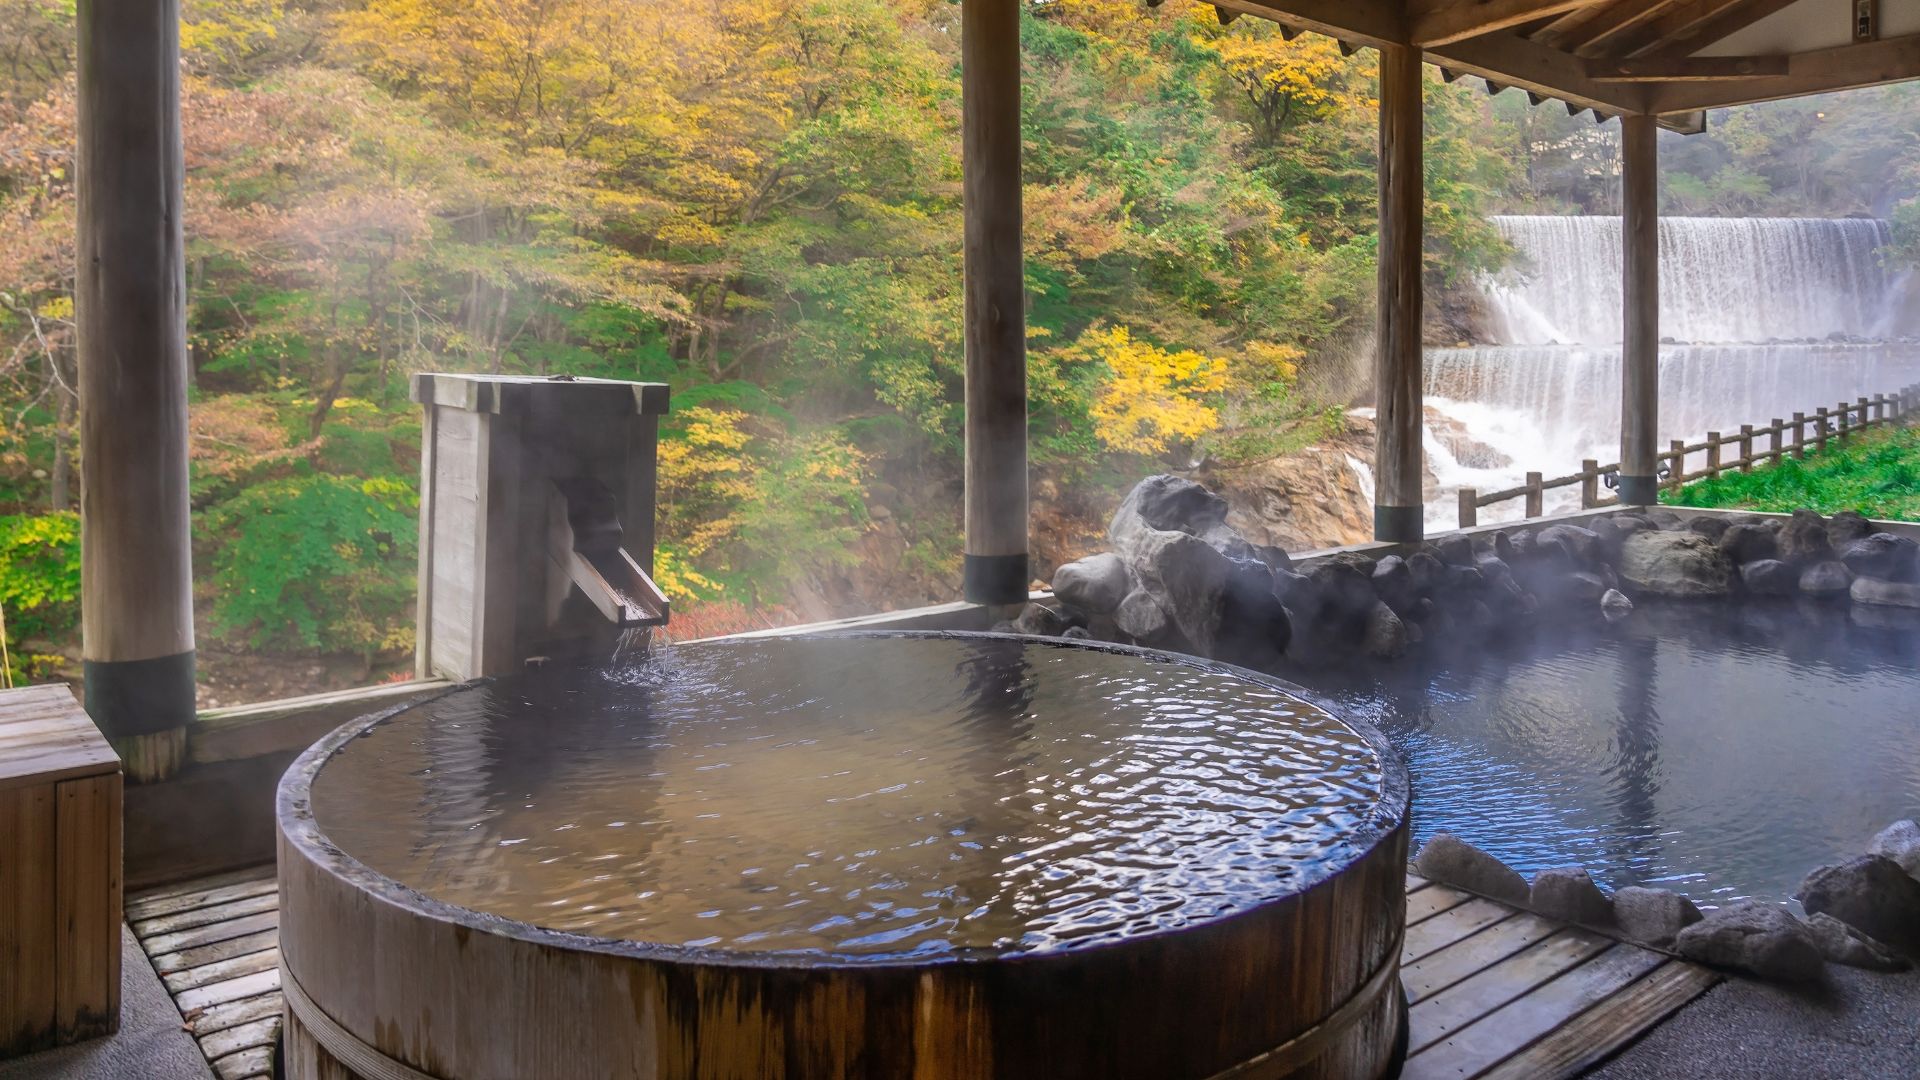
(1720, 750)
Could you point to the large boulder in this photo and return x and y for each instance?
(1040, 621)
(1802, 539)
(1450, 860)
(1163, 503)
(1828, 579)
(1873, 895)
(1385, 636)
(1141, 618)
(1840, 945)
(1746, 543)
(1096, 583)
(1900, 842)
(1653, 916)
(1882, 555)
(1254, 628)
(1756, 938)
(1615, 605)
(1188, 578)
(1711, 526)
(1569, 894)
(1679, 564)
(1582, 546)
(1393, 583)
(1769, 577)
(1847, 526)
(1866, 590)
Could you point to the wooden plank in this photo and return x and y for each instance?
(1429, 902)
(1452, 1009)
(198, 886)
(1439, 970)
(1687, 69)
(27, 850)
(1438, 22)
(1591, 1037)
(162, 944)
(169, 963)
(1843, 67)
(232, 967)
(140, 910)
(1450, 926)
(1415, 883)
(87, 901)
(12, 884)
(220, 993)
(245, 1064)
(207, 916)
(1499, 1035)
(233, 1013)
(246, 1036)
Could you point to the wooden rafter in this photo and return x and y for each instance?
(1511, 60)
(1695, 24)
(1687, 69)
(1622, 18)
(1842, 67)
(1438, 22)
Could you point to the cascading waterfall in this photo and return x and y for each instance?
(1759, 317)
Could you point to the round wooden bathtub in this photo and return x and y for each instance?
(386, 977)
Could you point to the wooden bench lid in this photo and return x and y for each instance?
(45, 736)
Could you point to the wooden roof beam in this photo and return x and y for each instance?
(1357, 22)
(1687, 69)
(1617, 20)
(1694, 25)
(1439, 22)
(1511, 60)
(1843, 67)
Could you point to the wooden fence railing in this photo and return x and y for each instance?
(1835, 424)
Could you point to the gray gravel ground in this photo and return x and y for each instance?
(1862, 1026)
(151, 1044)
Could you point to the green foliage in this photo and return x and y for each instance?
(315, 562)
(40, 574)
(1876, 473)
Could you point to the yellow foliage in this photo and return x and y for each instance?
(1152, 398)
(1271, 361)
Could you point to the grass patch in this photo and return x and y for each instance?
(1876, 473)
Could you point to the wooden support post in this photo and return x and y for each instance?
(130, 308)
(1536, 496)
(1844, 419)
(1863, 420)
(1820, 432)
(1775, 433)
(1879, 413)
(1713, 454)
(1640, 349)
(1397, 385)
(995, 564)
(1589, 484)
(1746, 447)
(1469, 508)
(1677, 467)
(1799, 436)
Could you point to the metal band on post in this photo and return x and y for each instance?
(1303, 1048)
(342, 1045)
(1639, 490)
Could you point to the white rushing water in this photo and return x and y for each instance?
(1761, 318)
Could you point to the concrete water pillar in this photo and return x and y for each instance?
(1398, 390)
(995, 570)
(1640, 348)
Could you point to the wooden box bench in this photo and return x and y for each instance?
(59, 873)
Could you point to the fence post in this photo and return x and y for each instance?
(1677, 472)
(1589, 484)
(1799, 435)
(1469, 508)
(1863, 421)
(1746, 447)
(1536, 497)
(1879, 408)
(1713, 454)
(1774, 439)
(1843, 422)
(1819, 429)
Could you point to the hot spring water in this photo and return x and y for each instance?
(1769, 316)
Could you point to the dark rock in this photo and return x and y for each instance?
(1502, 547)
(1653, 916)
(1450, 860)
(1464, 580)
(1076, 633)
(1662, 519)
(1141, 618)
(1873, 895)
(1188, 578)
(1493, 569)
(1711, 526)
(1456, 550)
(1096, 583)
(1584, 587)
(1757, 938)
(1582, 546)
(1900, 842)
(1840, 945)
(1679, 564)
(1569, 895)
(1169, 504)
(1004, 626)
(1748, 543)
(1847, 526)
(1770, 577)
(1522, 546)
(1826, 579)
(1427, 572)
(1073, 616)
(1613, 531)
(1882, 555)
(1393, 583)
(1386, 636)
(1866, 590)
(1615, 605)
(1341, 595)
(1254, 628)
(1803, 541)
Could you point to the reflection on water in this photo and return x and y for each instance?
(1719, 751)
(862, 797)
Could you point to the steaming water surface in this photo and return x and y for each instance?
(1722, 751)
(866, 798)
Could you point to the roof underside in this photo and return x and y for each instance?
(1669, 58)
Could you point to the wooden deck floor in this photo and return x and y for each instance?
(1496, 992)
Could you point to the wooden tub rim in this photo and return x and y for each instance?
(299, 828)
